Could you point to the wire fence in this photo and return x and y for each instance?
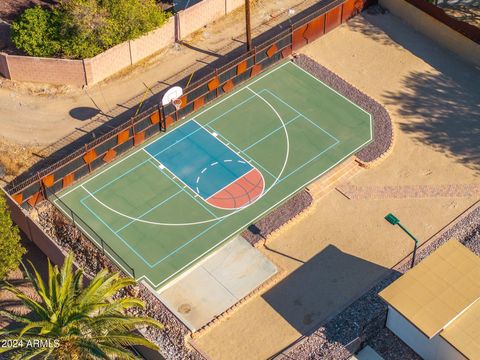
(304, 28)
(44, 184)
(83, 226)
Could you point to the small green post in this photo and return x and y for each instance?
(392, 219)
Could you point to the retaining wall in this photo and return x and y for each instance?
(427, 19)
(34, 232)
(4, 34)
(45, 70)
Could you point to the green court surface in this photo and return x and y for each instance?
(285, 123)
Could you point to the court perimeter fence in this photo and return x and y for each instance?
(78, 222)
(104, 149)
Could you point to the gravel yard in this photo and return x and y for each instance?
(413, 162)
(379, 55)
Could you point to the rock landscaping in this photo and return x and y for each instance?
(382, 124)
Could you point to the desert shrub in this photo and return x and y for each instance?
(84, 28)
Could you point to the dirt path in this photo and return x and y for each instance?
(342, 247)
(42, 114)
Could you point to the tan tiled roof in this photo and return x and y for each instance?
(438, 290)
(464, 332)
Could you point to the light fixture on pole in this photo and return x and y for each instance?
(392, 219)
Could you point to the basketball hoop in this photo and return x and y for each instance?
(177, 103)
(173, 96)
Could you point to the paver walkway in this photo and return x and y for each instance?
(356, 192)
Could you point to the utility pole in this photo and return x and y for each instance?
(248, 25)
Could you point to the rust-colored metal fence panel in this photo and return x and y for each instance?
(150, 122)
(351, 8)
(298, 37)
(315, 29)
(333, 19)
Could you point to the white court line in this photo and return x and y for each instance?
(246, 204)
(219, 217)
(240, 151)
(210, 107)
(93, 239)
(259, 215)
(185, 187)
(301, 114)
(200, 127)
(335, 91)
(350, 101)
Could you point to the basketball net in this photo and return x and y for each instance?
(177, 103)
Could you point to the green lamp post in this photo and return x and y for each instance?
(392, 219)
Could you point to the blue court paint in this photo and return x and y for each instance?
(198, 159)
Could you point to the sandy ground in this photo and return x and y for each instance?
(41, 114)
(342, 247)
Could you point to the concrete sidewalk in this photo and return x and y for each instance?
(217, 283)
(42, 114)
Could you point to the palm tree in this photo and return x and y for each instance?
(88, 322)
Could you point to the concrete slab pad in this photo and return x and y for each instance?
(217, 283)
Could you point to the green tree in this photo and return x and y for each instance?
(87, 29)
(10, 249)
(84, 28)
(134, 18)
(89, 322)
(36, 32)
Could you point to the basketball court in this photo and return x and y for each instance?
(164, 206)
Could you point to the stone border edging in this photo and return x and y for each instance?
(277, 218)
(259, 241)
(383, 129)
(174, 340)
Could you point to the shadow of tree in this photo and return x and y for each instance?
(467, 11)
(378, 24)
(447, 114)
(445, 103)
(373, 23)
